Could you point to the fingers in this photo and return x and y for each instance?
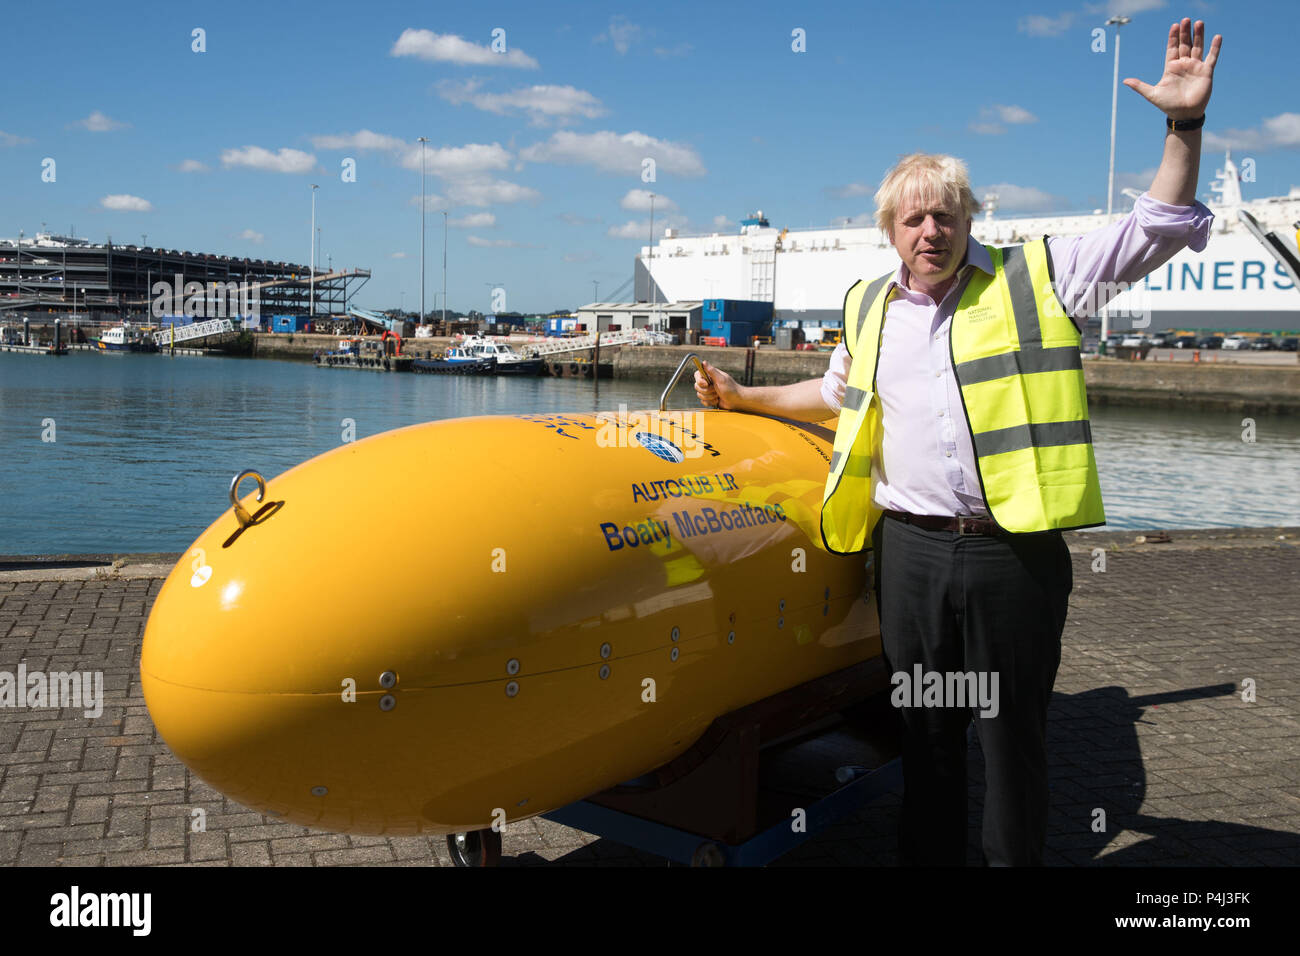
(1213, 56)
(1138, 86)
(1171, 50)
(1185, 38)
(1198, 39)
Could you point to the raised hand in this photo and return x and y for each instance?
(1184, 90)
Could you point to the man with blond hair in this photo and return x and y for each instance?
(963, 421)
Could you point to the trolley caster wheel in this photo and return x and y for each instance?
(708, 854)
(475, 848)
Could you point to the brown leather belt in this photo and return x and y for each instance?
(962, 524)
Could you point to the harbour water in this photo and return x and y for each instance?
(144, 446)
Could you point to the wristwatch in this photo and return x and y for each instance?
(1184, 125)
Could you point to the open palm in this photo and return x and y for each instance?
(1184, 90)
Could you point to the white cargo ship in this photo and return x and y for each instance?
(1235, 284)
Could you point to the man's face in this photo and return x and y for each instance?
(930, 238)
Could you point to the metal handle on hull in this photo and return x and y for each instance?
(245, 519)
(663, 399)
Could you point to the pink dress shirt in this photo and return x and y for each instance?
(926, 463)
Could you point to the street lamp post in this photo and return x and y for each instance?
(422, 140)
(311, 283)
(650, 271)
(444, 269)
(1116, 22)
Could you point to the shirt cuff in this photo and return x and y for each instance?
(1191, 224)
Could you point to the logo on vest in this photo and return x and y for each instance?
(980, 313)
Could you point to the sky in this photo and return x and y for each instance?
(202, 126)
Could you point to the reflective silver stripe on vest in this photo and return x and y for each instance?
(1002, 440)
(1025, 362)
(873, 290)
(1023, 305)
(853, 398)
(859, 466)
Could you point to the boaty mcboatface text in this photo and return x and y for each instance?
(688, 525)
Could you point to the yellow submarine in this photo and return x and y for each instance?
(589, 593)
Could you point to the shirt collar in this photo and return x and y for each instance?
(976, 255)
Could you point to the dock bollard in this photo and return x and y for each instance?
(1196, 356)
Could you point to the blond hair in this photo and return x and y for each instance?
(930, 177)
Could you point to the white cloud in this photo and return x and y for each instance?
(11, 139)
(1038, 25)
(361, 139)
(614, 153)
(723, 221)
(544, 104)
(397, 255)
(448, 48)
(123, 202)
(850, 191)
(638, 200)
(486, 192)
(1012, 198)
(992, 118)
(192, 166)
(585, 255)
(640, 229)
(97, 122)
(475, 220)
(1276, 132)
(253, 236)
(621, 32)
(1140, 181)
(499, 243)
(470, 159)
(255, 157)
(432, 202)
(1123, 8)
(1013, 114)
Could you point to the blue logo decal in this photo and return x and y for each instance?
(660, 447)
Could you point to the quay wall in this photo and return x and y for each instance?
(1203, 385)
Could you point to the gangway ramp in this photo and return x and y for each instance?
(177, 334)
(585, 342)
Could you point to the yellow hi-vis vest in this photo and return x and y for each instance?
(1016, 356)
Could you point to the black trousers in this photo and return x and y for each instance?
(971, 603)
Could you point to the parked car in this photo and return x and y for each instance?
(1163, 340)
(1210, 342)
(1234, 343)
(1264, 343)
(1134, 340)
(1185, 342)
(1289, 344)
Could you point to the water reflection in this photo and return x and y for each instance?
(145, 445)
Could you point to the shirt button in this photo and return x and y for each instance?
(948, 453)
(941, 413)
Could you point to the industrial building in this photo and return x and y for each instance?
(50, 276)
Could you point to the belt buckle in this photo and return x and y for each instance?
(961, 524)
